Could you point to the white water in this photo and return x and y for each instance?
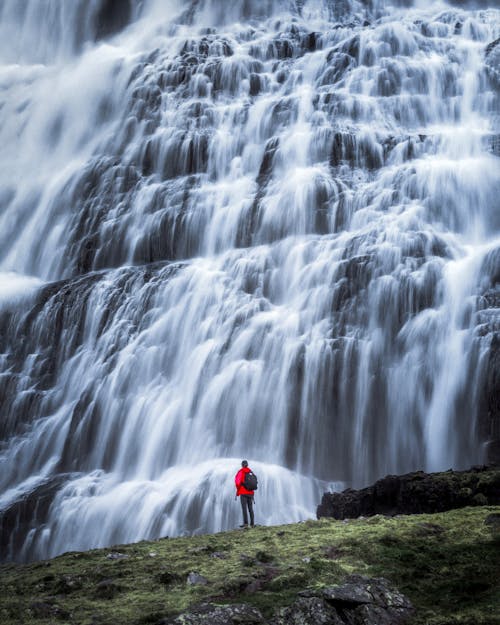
(254, 242)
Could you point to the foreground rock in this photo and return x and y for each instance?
(416, 493)
(359, 601)
(240, 614)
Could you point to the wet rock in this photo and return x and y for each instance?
(31, 510)
(489, 413)
(112, 17)
(493, 144)
(492, 59)
(358, 601)
(415, 493)
(237, 614)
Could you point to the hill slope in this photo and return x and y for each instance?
(446, 564)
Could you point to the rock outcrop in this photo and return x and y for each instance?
(416, 493)
(359, 601)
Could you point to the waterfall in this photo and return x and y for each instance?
(259, 229)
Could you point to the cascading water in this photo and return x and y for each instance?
(261, 229)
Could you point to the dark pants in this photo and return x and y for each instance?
(247, 504)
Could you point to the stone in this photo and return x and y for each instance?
(358, 601)
(308, 611)
(116, 555)
(493, 521)
(237, 614)
(167, 578)
(47, 610)
(67, 584)
(195, 579)
(107, 589)
(351, 593)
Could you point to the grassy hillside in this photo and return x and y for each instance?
(447, 564)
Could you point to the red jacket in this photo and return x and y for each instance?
(239, 479)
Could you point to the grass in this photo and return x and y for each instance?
(447, 564)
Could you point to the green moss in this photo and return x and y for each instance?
(447, 564)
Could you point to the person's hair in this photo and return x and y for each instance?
(244, 463)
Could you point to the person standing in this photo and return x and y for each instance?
(245, 494)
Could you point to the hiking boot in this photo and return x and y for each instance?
(244, 525)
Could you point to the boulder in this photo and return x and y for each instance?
(358, 601)
(237, 614)
(107, 589)
(195, 579)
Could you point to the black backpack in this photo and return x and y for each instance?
(250, 481)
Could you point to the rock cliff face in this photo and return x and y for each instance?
(416, 493)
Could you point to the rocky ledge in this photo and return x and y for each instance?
(416, 493)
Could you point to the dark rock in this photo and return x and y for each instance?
(492, 46)
(415, 493)
(112, 17)
(359, 601)
(493, 452)
(237, 614)
(488, 331)
(254, 586)
(167, 578)
(352, 593)
(247, 560)
(493, 143)
(47, 610)
(492, 59)
(107, 589)
(27, 514)
(429, 529)
(308, 611)
(264, 556)
(67, 584)
(493, 520)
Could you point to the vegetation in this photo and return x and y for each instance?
(446, 563)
